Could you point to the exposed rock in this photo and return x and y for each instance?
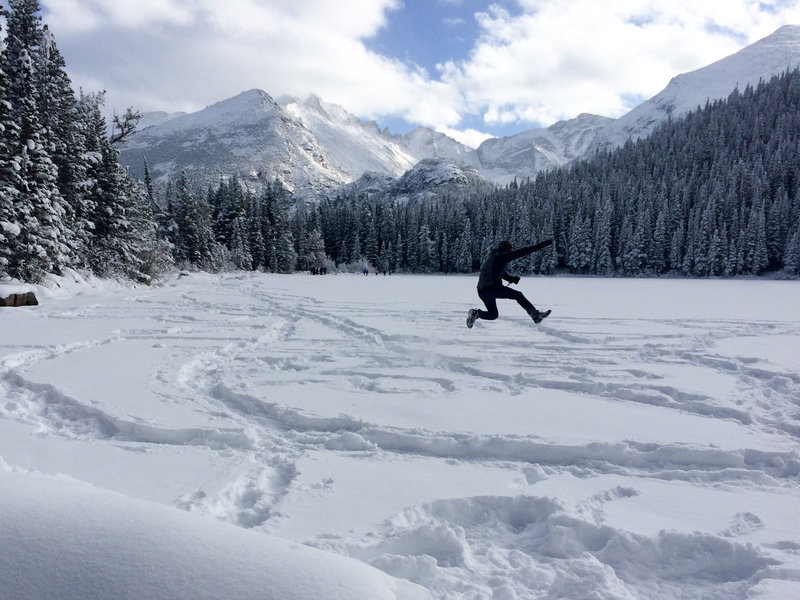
(21, 299)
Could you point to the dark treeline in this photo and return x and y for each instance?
(64, 199)
(716, 193)
(228, 227)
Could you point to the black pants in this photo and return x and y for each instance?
(490, 294)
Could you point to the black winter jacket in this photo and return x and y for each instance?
(493, 269)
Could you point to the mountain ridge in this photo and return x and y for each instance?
(762, 59)
(315, 148)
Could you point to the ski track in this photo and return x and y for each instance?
(469, 545)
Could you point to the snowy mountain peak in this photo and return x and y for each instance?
(314, 109)
(688, 91)
(249, 136)
(788, 35)
(248, 106)
(315, 147)
(312, 146)
(525, 154)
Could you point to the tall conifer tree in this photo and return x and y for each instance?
(41, 246)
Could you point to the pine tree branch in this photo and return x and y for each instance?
(125, 124)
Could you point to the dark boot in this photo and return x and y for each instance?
(539, 316)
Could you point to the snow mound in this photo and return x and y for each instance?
(60, 538)
(508, 547)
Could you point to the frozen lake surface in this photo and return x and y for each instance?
(642, 442)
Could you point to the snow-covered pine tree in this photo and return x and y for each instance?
(602, 261)
(145, 256)
(149, 189)
(549, 254)
(66, 132)
(411, 235)
(315, 247)
(282, 255)
(399, 251)
(41, 246)
(230, 207)
(463, 252)
(756, 253)
(791, 258)
(196, 236)
(166, 216)
(258, 247)
(387, 233)
(240, 244)
(580, 244)
(704, 235)
(299, 222)
(658, 245)
(9, 175)
(308, 237)
(445, 257)
(109, 195)
(427, 261)
(372, 249)
(778, 224)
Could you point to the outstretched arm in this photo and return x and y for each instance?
(520, 252)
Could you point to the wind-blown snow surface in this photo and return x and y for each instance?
(640, 443)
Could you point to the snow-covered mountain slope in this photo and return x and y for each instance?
(428, 175)
(761, 60)
(525, 154)
(248, 135)
(315, 148)
(352, 146)
(423, 143)
(154, 118)
(432, 173)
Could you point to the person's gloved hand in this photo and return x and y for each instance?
(513, 279)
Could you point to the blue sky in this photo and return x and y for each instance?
(428, 33)
(469, 68)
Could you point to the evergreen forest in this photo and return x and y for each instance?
(713, 194)
(65, 202)
(716, 193)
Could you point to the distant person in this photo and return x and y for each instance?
(490, 283)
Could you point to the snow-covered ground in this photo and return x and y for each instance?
(268, 436)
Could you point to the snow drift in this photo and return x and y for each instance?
(64, 539)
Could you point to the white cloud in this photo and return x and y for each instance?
(86, 15)
(558, 59)
(548, 60)
(469, 137)
(196, 51)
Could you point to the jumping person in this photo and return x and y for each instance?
(490, 283)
